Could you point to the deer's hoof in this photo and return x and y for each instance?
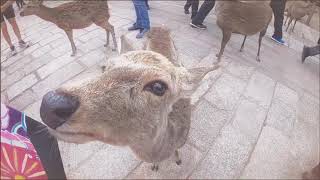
(258, 59)
(154, 167)
(106, 45)
(179, 162)
(103, 68)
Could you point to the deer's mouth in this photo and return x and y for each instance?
(73, 137)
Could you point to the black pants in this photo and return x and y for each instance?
(147, 3)
(204, 10)
(278, 7)
(47, 148)
(194, 4)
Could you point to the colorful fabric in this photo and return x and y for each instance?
(19, 159)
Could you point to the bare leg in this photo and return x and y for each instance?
(242, 46)
(6, 34)
(70, 37)
(15, 28)
(154, 167)
(177, 157)
(262, 33)
(225, 39)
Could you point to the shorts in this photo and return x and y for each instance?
(8, 13)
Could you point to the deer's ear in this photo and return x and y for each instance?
(125, 45)
(191, 80)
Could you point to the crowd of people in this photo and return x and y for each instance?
(142, 23)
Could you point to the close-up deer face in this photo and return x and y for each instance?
(132, 98)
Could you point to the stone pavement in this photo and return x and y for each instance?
(250, 119)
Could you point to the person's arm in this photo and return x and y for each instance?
(6, 5)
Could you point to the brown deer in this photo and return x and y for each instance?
(74, 15)
(243, 17)
(142, 100)
(297, 10)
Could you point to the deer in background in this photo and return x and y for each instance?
(142, 101)
(296, 10)
(243, 17)
(74, 15)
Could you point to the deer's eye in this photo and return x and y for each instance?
(156, 87)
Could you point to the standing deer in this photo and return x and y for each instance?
(297, 10)
(243, 17)
(74, 15)
(142, 100)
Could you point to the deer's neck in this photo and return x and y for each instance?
(48, 14)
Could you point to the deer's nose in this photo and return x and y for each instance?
(57, 107)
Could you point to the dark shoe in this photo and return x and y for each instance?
(199, 26)
(12, 52)
(305, 53)
(186, 11)
(133, 28)
(142, 33)
(23, 44)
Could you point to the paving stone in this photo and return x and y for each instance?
(260, 89)
(73, 155)
(29, 50)
(226, 92)
(92, 58)
(8, 61)
(33, 110)
(240, 70)
(11, 79)
(272, 156)
(211, 58)
(57, 78)
(23, 100)
(286, 95)
(41, 51)
(308, 109)
(19, 64)
(54, 65)
(50, 39)
(92, 34)
(4, 97)
(3, 75)
(249, 119)
(92, 44)
(227, 157)
(62, 50)
(21, 86)
(36, 63)
(304, 143)
(169, 169)
(109, 163)
(208, 120)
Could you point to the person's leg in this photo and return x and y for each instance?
(278, 12)
(135, 26)
(187, 6)
(5, 33)
(143, 17)
(204, 10)
(310, 51)
(195, 7)
(147, 4)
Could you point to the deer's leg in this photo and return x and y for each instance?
(225, 39)
(177, 157)
(154, 167)
(109, 29)
(290, 20)
(70, 37)
(285, 22)
(244, 40)
(262, 33)
(108, 39)
(294, 25)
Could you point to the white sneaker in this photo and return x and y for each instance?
(23, 44)
(12, 52)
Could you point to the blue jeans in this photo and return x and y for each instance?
(142, 14)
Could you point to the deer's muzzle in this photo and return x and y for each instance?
(57, 107)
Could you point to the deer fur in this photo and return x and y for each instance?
(78, 14)
(116, 108)
(314, 173)
(243, 17)
(296, 10)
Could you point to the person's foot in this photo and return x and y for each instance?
(199, 26)
(142, 33)
(278, 40)
(133, 28)
(23, 44)
(305, 53)
(148, 7)
(186, 11)
(12, 52)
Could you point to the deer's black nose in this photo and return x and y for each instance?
(57, 107)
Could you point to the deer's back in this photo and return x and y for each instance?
(80, 14)
(246, 18)
(299, 9)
